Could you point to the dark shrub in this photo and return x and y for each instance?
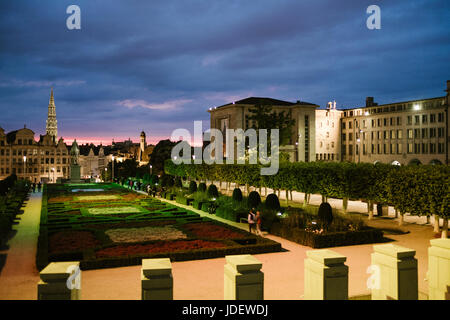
(166, 181)
(192, 187)
(202, 187)
(178, 183)
(325, 215)
(237, 195)
(212, 191)
(254, 200)
(272, 202)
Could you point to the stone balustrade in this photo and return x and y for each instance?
(243, 279)
(394, 276)
(156, 279)
(326, 276)
(60, 281)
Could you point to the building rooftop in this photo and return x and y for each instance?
(267, 102)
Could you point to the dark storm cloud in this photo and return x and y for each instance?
(156, 66)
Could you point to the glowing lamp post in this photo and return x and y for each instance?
(112, 158)
(24, 166)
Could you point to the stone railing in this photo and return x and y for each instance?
(393, 276)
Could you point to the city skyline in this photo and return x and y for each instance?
(160, 70)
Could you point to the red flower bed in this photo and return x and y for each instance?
(159, 247)
(104, 226)
(212, 231)
(67, 241)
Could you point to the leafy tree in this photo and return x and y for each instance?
(160, 154)
(263, 117)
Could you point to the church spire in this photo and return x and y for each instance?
(52, 123)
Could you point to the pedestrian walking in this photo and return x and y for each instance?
(39, 186)
(258, 223)
(251, 220)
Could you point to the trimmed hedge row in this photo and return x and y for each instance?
(381, 183)
(327, 240)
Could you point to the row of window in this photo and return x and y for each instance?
(399, 107)
(380, 122)
(397, 148)
(35, 161)
(423, 133)
(326, 156)
(19, 170)
(31, 152)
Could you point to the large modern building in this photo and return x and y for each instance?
(398, 133)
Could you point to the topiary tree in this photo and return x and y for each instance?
(192, 187)
(272, 202)
(254, 200)
(325, 215)
(237, 195)
(212, 191)
(202, 187)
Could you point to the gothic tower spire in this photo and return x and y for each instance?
(52, 123)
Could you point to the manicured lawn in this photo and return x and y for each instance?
(111, 226)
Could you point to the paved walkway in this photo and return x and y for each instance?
(19, 276)
(203, 279)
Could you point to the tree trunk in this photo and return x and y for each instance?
(345, 204)
(436, 223)
(428, 219)
(292, 198)
(400, 219)
(396, 213)
(247, 188)
(287, 197)
(370, 204)
(445, 228)
(305, 201)
(265, 191)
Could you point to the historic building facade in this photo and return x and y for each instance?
(45, 160)
(301, 146)
(399, 133)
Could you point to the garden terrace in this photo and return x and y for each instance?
(104, 225)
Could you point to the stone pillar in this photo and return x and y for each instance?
(395, 272)
(326, 276)
(243, 279)
(438, 269)
(60, 281)
(156, 279)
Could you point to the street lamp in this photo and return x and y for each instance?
(24, 166)
(151, 170)
(112, 158)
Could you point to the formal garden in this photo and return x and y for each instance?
(105, 225)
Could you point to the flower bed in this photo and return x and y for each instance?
(157, 247)
(68, 241)
(97, 198)
(113, 233)
(142, 234)
(212, 231)
(113, 210)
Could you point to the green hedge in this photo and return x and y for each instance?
(380, 183)
(327, 240)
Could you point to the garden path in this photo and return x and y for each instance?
(19, 276)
